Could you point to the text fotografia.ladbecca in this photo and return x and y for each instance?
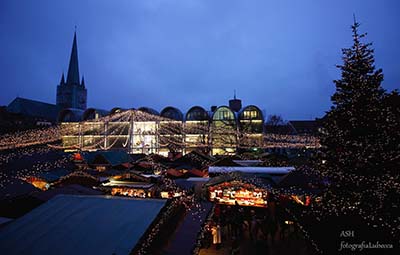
(364, 245)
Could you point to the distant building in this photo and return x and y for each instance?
(71, 98)
(72, 93)
(38, 110)
(215, 132)
(305, 127)
(11, 122)
(284, 129)
(222, 131)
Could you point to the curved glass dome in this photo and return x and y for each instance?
(251, 119)
(223, 113)
(251, 112)
(196, 113)
(172, 113)
(116, 110)
(148, 110)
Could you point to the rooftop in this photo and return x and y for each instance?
(70, 224)
(34, 108)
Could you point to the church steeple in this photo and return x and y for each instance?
(62, 82)
(73, 69)
(72, 92)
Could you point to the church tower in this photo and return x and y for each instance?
(235, 104)
(72, 93)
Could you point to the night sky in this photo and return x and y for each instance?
(278, 55)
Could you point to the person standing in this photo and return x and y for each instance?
(207, 236)
(216, 233)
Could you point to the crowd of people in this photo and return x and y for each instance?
(232, 224)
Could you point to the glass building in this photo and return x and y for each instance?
(219, 132)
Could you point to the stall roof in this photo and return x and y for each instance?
(112, 157)
(53, 175)
(193, 159)
(196, 173)
(174, 173)
(72, 189)
(198, 179)
(263, 178)
(225, 161)
(219, 179)
(253, 170)
(128, 184)
(248, 162)
(81, 225)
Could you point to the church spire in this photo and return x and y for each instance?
(73, 69)
(62, 82)
(83, 81)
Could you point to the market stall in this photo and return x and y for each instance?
(239, 192)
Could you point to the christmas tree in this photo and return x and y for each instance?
(360, 142)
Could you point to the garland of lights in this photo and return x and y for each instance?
(169, 134)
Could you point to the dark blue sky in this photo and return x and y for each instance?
(279, 55)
